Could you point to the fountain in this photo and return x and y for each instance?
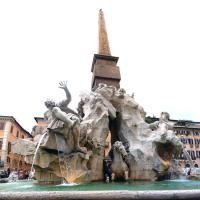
(72, 148)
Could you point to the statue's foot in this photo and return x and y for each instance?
(80, 149)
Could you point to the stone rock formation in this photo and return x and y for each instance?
(57, 154)
(150, 148)
(140, 150)
(95, 128)
(119, 166)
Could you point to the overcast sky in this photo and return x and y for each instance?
(44, 42)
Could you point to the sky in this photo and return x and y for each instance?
(45, 42)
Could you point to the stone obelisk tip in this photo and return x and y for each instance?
(104, 48)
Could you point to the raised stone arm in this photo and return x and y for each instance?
(65, 103)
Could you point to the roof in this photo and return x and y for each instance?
(182, 123)
(14, 120)
(184, 120)
(37, 119)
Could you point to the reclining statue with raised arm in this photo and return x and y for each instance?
(60, 118)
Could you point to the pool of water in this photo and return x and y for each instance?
(28, 186)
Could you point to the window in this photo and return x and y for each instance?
(190, 141)
(187, 165)
(198, 154)
(22, 136)
(9, 147)
(193, 155)
(17, 135)
(8, 159)
(196, 133)
(2, 125)
(20, 163)
(184, 141)
(1, 142)
(11, 129)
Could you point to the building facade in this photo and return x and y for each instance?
(39, 127)
(40, 121)
(10, 131)
(189, 134)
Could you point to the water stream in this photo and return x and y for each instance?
(187, 155)
(36, 151)
(61, 153)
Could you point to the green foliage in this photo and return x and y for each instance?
(150, 120)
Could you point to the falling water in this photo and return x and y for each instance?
(63, 169)
(187, 155)
(38, 145)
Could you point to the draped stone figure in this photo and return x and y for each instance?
(63, 120)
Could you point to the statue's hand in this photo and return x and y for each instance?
(63, 85)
